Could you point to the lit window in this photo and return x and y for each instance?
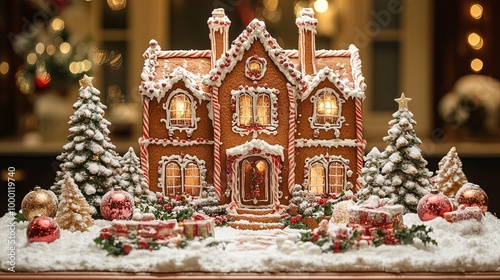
(246, 115)
(336, 177)
(263, 110)
(180, 111)
(192, 184)
(327, 110)
(317, 178)
(173, 179)
(181, 175)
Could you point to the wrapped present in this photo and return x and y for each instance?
(464, 213)
(376, 213)
(147, 229)
(198, 226)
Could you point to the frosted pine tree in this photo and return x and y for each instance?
(132, 179)
(372, 181)
(450, 176)
(89, 157)
(74, 212)
(404, 168)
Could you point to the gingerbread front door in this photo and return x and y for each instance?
(255, 185)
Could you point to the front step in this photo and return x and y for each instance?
(255, 219)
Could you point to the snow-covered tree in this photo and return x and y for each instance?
(89, 157)
(74, 212)
(132, 179)
(404, 168)
(450, 176)
(372, 181)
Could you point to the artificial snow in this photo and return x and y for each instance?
(464, 246)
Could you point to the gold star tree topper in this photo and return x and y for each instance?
(403, 101)
(86, 81)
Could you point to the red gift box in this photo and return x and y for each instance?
(376, 212)
(198, 226)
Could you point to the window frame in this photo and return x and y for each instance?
(326, 161)
(168, 120)
(183, 162)
(327, 126)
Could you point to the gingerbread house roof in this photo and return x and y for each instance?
(162, 69)
(255, 30)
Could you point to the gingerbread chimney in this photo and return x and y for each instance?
(307, 41)
(218, 24)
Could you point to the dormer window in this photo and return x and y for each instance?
(180, 110)
(327, 111)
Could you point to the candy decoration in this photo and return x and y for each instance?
(39, 202)
(432, 205)
(117, 204)
(42, 229)
(472, 195)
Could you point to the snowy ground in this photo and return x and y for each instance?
(462, 246)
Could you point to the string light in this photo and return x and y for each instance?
(65, 47)
(321, 6)
(476, 65)
(476, 11)
(475, 41)
(4, 68)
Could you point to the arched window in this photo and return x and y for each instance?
(326, 108)
(180, 111)
(263, 110)
(173, 179)
(336, 177)
(245, 108)
(192, 184)
(317, 178)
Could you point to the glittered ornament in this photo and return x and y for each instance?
(42, 229)
(39, 202)
(117, 204)
(341, 211)
(472, 195)
(432, 205)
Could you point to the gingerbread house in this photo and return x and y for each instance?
(251, 118)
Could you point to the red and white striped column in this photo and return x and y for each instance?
(217, 143)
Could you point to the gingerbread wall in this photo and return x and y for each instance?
(273, 78)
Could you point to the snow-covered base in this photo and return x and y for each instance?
(465, 246)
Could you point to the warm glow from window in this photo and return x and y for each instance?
(192, 184)
(321, 6)
(336, 177)
(317, 178)
(476, 11)
(261, 166)
(246, 116)
(326, 108)
(475, 41)
(173, 179)
(476, 64)
(4, 68)
(51, 49)
(180, 110)
(263, 110)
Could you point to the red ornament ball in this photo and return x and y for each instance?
(432, 205)
(42, 229)
(472, 195)
(117, 205)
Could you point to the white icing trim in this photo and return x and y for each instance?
(258, 144)
(254, 93)
(183, 161)
(159, 88)
(306, 20)
(175, 142)
(340, 84)
(331, 143)
(325, 160)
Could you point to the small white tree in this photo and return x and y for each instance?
(404, 168)
(450, 176)
(74, 212)
(372, 181)
(132, 179)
